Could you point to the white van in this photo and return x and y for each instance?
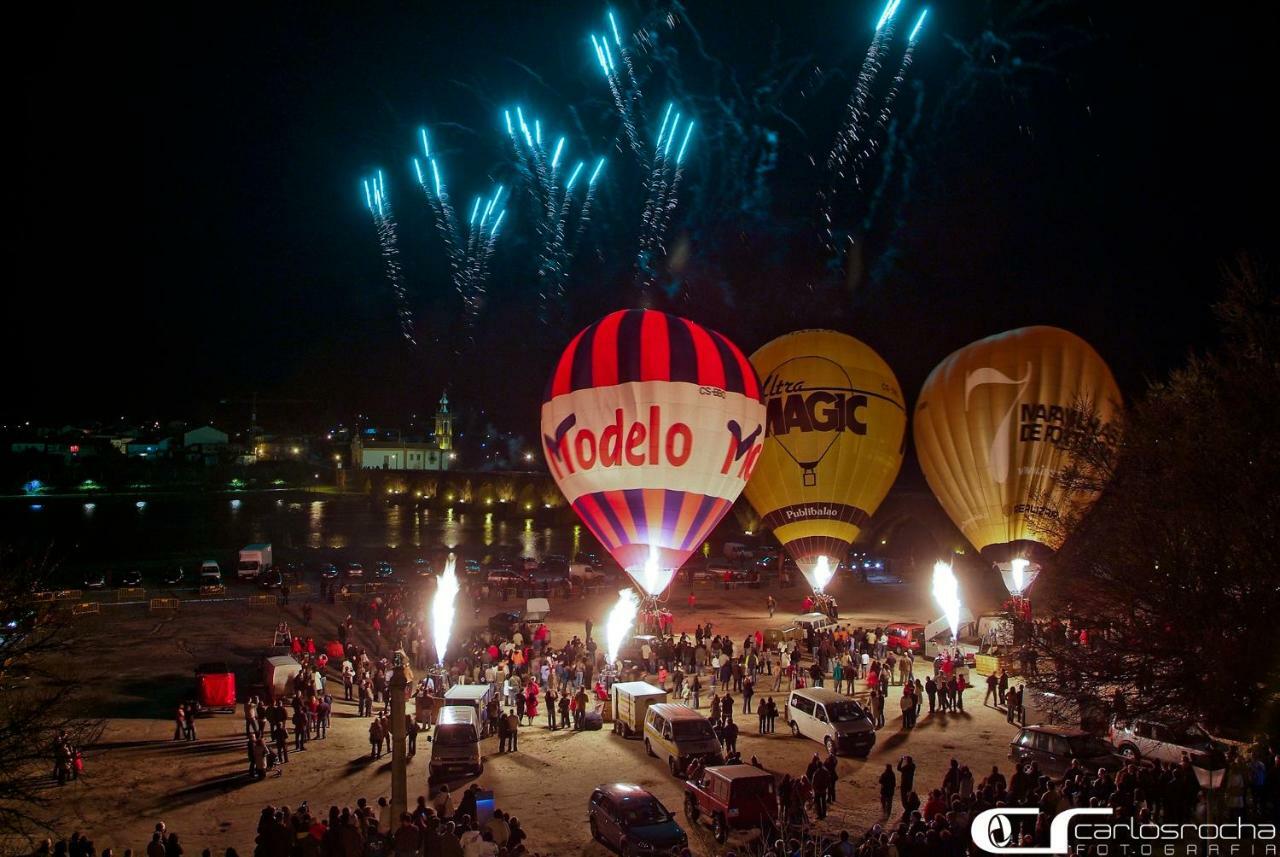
(679, 734)
(817, 622)
(455, 745)
(210, 573)
(839, 723)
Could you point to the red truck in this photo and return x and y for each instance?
(733, 797)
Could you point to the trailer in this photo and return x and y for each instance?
(630, 701)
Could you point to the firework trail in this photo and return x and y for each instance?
(660, 163)
(852, 132)
(543, 168)
(470, 251)
(891, 95)
(375, 199)
(623, 85)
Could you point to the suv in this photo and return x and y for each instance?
(1161, 742)
(905, 637)
(1054, 748)
(732, 797)
(632, 820)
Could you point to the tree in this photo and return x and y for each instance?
(37, 697)
(1175, 569)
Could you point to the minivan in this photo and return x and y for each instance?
(210, 573)
(680, 735)
(839, 723)
(455, 746)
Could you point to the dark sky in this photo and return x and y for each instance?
(191, 231)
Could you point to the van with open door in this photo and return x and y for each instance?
(832, 719)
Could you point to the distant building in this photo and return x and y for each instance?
(144, 448)
(281, 448)
(205, 436)
(444, 424)
(205, 444)
(408, 454)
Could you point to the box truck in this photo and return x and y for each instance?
(253, 560)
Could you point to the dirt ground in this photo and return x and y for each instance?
(142, 666)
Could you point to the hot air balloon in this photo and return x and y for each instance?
(651, 425)
(994, 424)
(835, 428)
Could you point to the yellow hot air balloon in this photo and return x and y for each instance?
(994, 423)
(834, 434)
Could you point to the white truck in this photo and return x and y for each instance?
(254, 559)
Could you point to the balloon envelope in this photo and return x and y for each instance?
(651, 425)
(834, 432)
(996, 421)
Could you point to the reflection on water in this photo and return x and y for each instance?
(117, 529)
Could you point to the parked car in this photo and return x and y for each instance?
(581, 572)
(633, 821)
(328, 571)
(551, 570)
(732, 797)
(95, 580)
(1054, 748)
(905, 637)
(355, 570)
(839, 723)
(291, 571)
(210, 573)
(422, 568)
(131, 579)
(271, 578)
(1163, 742)
(174, 577)
(505, 623)
(382, 570)
(472, 568)
(588, 558)
(504, 577)
(680, 734)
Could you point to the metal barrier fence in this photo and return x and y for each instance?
(131, 593)
(86, 608)
(262, 601)
(69, 595)
(163, 604)
(212, 589)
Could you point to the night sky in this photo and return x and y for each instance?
(190, 228)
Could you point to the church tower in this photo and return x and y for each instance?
(444, 425)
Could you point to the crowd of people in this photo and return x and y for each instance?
(531, 675)
(441, 827)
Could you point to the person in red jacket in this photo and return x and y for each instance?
(934, 806)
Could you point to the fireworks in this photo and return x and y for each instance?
(855, 142)
(375, 198)
(554, 201)
(442, 608)
(469, 250)
(662, 171)
(618, 625)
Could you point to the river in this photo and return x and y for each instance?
(118, 532)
